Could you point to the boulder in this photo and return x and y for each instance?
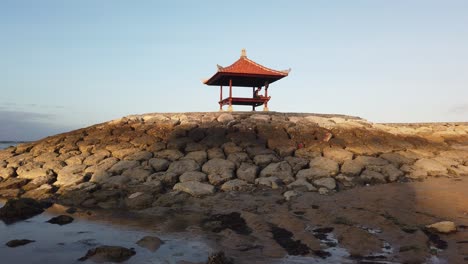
(159, 164)
(218, 179)
(308, 153)
(179, 143)
(32, 173)
(20, 209)
(18, 242)
(444, 227)
(123, 165)
(238, 158)
(225, 118)
(263, 160)
(296, 163)
(312, 174)
(302, 184)
(370, 161)
(193, 176)
(234, 185)
(61, 220)
(247, 172)
(194, 188)
(108, 254)
(13, 183)
(369, 176)
(96, 157)
(195, 146)
(288, 195)
(281, 170)
(139, 200)
(327, 166)
(199, 156)
(100, 176)
(41, 180)
(169, 154)
(260, 117)
(272, 182)
(328, 183)
(337, 154)
(140, 156)
(118, 181)
(104, 165)
(138, 174)
(181, 166)
(352, 168)
(430, 166)
(151, 243)
(231, 147)
(391, 172)
(42, 192)
(70, 175)
(166, 178)
(258, 150)
(122, 153)
(8, 172)
(347, 181)
(218, 166)
(215, 153)
(397, 159)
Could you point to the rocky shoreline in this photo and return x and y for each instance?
(168, 163)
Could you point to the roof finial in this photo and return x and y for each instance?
(243, 53)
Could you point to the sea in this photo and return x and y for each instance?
(6, 144)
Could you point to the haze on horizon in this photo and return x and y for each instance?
(68, 64)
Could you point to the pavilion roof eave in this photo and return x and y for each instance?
(221, 78)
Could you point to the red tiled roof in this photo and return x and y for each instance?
(245, 72)
(244, 65)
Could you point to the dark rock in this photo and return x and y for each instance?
(61, 220)
(13, 183)
(18, 242)
(150, 242)
(435, 240)
(219, 258)
(284, 238)
(20, 209)
(71, 210)
(322, 254)
(323, 230)
(108, 254)
(218, 222)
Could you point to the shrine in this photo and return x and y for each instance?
(245, 73)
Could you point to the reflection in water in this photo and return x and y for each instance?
(65, 244)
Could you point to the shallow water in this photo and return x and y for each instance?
(6, 145)
(67, 243)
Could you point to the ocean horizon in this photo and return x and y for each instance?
(6, 144)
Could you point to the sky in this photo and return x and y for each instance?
(69, 64)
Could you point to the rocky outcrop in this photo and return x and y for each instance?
(132, 161)
(151, 243)
(61, 220)
(20, 209)
(108, 254)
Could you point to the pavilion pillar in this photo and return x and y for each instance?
(230, 96)
(265, 107)
(253, 96)
(220, 98)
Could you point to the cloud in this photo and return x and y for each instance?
(22, 125)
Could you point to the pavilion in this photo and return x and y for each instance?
(245, 73)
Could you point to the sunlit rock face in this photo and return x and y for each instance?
(205, 153)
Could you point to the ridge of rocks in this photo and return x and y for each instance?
(132, 161)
